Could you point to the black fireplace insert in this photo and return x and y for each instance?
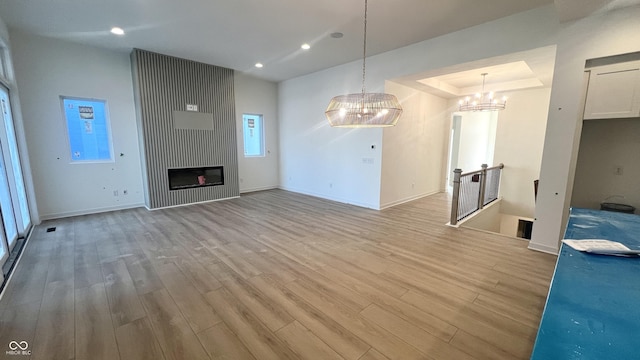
(187, 178)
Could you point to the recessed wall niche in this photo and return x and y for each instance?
(202, 135)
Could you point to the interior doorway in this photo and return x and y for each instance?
(472, 141)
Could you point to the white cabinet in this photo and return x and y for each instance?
(614, 91)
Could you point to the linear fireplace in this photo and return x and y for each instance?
(187, 178)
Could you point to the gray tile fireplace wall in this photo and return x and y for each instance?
(163, 87)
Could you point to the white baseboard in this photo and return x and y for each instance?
(260, 188)
(410, 198)
(89, 211)
(332, 198)
(189, 204)
(543, 248)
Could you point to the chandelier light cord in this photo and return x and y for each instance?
(364, 49)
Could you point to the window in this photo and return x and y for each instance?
(88, 129)
(253, 135)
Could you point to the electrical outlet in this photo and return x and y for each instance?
(619, 170)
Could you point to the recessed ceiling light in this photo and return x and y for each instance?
(337, 35)
(117, 31)
(305, 46)
(259, 65)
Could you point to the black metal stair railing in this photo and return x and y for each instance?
(473, 190)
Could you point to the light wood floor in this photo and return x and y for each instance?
(274, 275)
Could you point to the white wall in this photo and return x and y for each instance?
(314, 156)
(318, 160)
(47, 68)
(256, 96)
(605, 145)
(415, 150)
(519, 144)
(616, 32)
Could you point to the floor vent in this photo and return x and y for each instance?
(51, 229)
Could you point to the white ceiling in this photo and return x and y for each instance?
(515, 71)
(238, 33)
(510, 76)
